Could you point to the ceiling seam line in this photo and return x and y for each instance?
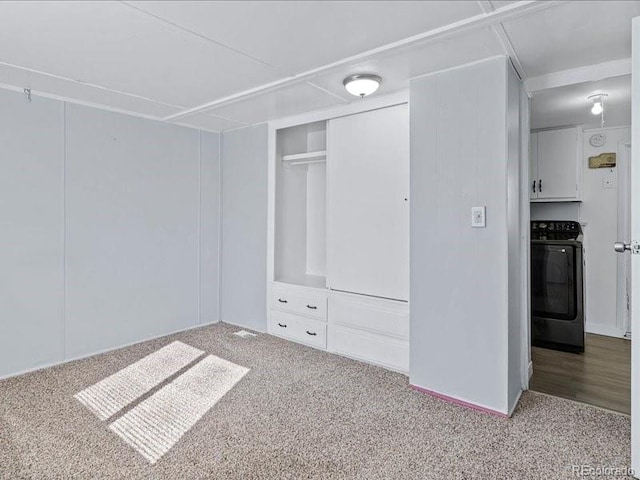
(504, 39)
(204, 37)
(92, 85)
(99, 106)
(314, 85)
(514, 10)
(585, 73)
(213, 115)
(237, 97)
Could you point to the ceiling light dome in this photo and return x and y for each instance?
(362, 84)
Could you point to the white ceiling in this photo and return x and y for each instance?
(570, 105)
(221, 65)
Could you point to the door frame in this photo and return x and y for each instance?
(623, 290)
(525, 229)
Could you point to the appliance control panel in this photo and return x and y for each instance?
(554, 229)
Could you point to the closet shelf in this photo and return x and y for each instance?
(305, 158)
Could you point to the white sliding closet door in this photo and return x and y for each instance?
(368, 209)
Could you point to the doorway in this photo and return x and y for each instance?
(586, 159)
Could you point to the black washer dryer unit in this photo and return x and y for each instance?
(557, 294)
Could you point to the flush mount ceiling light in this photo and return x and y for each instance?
(598, 105)
(362, 84)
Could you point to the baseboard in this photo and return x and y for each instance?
(461, 403)
(603, 329)
(235, 324)
(100, 352)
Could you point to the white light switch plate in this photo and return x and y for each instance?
(478, 217)
(608, 179)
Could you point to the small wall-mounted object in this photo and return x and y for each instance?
(478, 217)
(608, 179)
(604, 160)
(597, 139)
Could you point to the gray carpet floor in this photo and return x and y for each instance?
(300, 413)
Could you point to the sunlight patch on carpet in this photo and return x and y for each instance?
(109, 396)
(158, 422)
(244, 334)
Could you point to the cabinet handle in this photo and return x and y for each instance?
(282, 325)
(534, 186)
(313, 334)
(312, 307)
(282, 300)
(540, 185)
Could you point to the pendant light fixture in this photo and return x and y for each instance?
(362, 84)
(598, 105)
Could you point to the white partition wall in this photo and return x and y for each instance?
(466, 283)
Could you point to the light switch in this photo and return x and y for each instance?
(478, 217)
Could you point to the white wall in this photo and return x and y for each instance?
(516, 247)
(555, 211)
(103, 237)
(244, 227)
(599, 215)
(31, 232)
(460, 326)
(210, 223)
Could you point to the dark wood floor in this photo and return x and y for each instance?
(600, 376)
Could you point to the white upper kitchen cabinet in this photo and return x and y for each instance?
(368, 208)
(555, 165)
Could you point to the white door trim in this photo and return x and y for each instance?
(635, 262)
(623, 313)
(525, 232)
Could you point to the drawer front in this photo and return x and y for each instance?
(300, 301)
(385, 317)
(381, 350)
(299, 329)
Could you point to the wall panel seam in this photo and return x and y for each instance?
(220, 220)
(199, 227)
(64, 231)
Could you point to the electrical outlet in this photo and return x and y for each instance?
(478, 217)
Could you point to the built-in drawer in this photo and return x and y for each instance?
(375, 315)
(299, 329)
(382, 350)
(308, 302)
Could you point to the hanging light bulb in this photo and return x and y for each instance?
(597, 107)
(598, 103)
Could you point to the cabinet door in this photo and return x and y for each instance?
(533, 166)
(368, 210)
(557, 164)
